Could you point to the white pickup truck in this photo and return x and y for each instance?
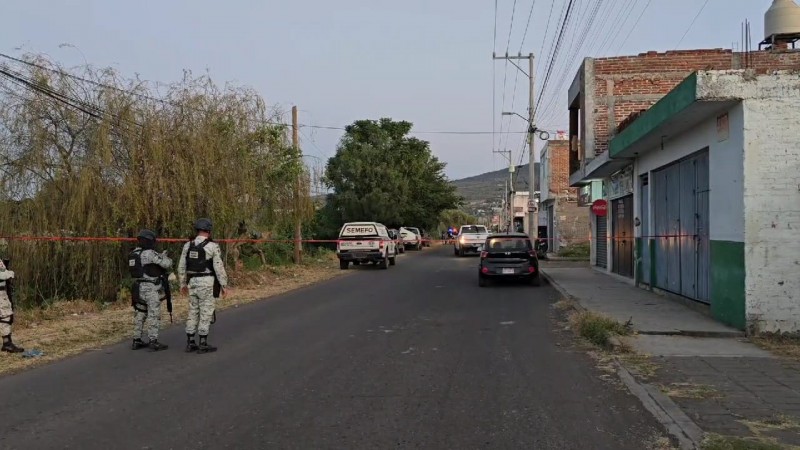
(365, 242)
(470, 238)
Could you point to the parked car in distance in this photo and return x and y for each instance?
(411, 238)
(365, 242)
(509, 256)
(426, 238)
(470, 238)
(398, 241)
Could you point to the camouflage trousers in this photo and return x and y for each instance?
(150, 295)
(5, 314)
(201, 306)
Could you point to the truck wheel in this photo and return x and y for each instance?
(455, 251)
(384, 264)
(535, 280)
(393, 261)
(343, 265)
(460, 252)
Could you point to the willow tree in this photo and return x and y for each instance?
(90, 154)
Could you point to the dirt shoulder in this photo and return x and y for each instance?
(68, 328)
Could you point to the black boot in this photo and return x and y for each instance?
(137, 344)
(156, 346)
(8, 345)
(204, 347)
(191, 345)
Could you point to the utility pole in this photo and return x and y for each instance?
(533, 204)
(298, 224)
(533, 216)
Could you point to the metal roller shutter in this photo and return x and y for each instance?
(602, 242)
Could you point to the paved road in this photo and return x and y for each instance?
(416, 356)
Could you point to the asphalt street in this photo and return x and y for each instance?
(417, 356)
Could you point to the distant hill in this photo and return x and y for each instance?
(482, 190)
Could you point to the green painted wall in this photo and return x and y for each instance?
(727, 283)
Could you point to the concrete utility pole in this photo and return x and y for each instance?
(533, 204)
(298, 224)
(533, 216)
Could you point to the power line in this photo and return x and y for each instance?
(554, 55)
(638, 19)
(692, 24)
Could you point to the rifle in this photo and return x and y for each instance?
(9, 284)
(217, 291)
(167, 294)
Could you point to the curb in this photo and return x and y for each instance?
(677, 423)
(668, 414)
(547, 278)
(687, 333)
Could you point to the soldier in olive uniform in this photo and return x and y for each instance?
(147, 268)
(202, 275)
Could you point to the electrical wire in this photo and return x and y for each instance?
(692, 24)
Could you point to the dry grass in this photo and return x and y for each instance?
(660, 442)
(68, 328)
(717, 442)
(640, 365)
(778, 423)
(782, 345)
(690, 390)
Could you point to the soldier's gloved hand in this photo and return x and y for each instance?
(224, 292)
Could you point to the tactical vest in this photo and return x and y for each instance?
(196, 261)
(137, 270)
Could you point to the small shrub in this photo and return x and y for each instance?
(598, 329)
(576, 251)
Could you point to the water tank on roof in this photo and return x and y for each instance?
(782, 18)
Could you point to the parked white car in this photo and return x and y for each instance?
(365, 242)
(471, 238)
(411, 238)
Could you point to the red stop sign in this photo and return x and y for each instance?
(600, 208)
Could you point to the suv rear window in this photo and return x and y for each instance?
(473, 230)
(509, 244)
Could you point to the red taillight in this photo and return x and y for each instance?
(381, 244)
(485, 270)
(484, 255)
(531, 269)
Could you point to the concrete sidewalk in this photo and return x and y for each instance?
(707, 377)
(649, 313)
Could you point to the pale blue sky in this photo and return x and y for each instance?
(428, 62)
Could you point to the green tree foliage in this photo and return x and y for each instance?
(455, 218)
(133, 163)
(381, 174)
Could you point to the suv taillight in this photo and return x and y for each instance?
(381, 244)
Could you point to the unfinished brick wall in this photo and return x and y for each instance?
(558, 178)
(571, 223)
(628, 84)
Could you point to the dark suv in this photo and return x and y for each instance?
(509, 256)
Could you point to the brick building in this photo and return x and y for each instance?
(567, 222)
(663, 172)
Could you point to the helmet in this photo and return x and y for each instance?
(147, 234)
(203, 224)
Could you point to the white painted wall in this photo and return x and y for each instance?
(726, 160)
(772, 207)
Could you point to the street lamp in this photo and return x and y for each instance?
(543, 135)
(533, 210)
